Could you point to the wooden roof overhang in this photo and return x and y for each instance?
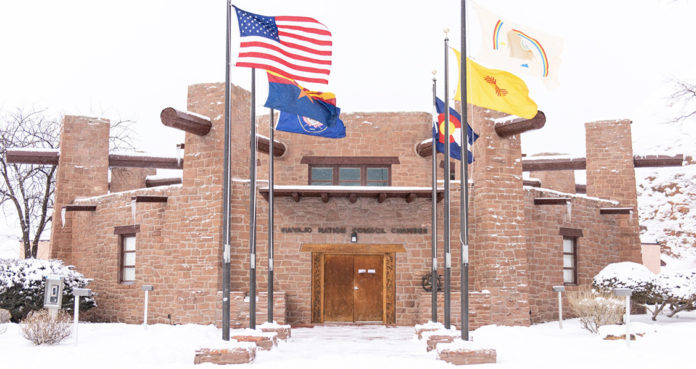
(409, 194)
(607, 211)
(639, 161)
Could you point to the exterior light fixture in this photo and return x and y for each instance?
(626, 292)
(354, 237)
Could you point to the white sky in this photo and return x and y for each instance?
(129, 59)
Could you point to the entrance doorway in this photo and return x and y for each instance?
(353, 288)
(353, 283)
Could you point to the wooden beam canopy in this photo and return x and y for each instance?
(80, 207)
(149, 198)
(24, 156)
(186, 121)
(144, 161)
(162, 181)
(606, 211)
(278, 147)
(639, 161)
(551, 201)
(378, 193)
(519, 126)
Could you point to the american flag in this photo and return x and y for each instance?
(295, 47)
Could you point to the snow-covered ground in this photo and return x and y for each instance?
(112, 345)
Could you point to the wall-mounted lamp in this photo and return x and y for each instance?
(354, 237)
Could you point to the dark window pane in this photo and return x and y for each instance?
(377, 174)
(349, 174)
(322, 183)
(322, 175)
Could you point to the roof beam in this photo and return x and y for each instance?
(186, 121)
(519, 126)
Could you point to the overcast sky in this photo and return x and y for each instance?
(129, 59)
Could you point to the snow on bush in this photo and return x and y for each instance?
(676, 290)
(22, 286)
(626, 274)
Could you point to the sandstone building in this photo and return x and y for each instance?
(526, 235)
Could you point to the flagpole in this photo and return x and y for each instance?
(252, 206)
(464, 190)
(270, 218)
(226, 186)
(433, 272)
(448, 260)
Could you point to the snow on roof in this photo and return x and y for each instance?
(571, 195)
(33, 149)
(353, 188)
(138, 191)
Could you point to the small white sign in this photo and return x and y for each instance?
(361, 271)
(371, 271)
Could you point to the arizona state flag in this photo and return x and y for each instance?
(286, 95)
(495, 89)
(454, 131)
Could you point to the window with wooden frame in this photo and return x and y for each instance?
(349, 171)
(570, 260)
(127, 249)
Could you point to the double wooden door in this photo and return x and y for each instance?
(353, 288)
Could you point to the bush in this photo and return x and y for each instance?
(22, 286)
(626, 274)
(676, 290)
(40, 328)
(595, 309)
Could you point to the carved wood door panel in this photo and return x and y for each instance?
(338, 288)
(368, 298)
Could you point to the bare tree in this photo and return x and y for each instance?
(683, 99)
(28, 188)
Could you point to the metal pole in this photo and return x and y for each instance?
(464, 190)
(76, 313)
(433, 273)
(252, 206)
(270, 219)
(448, 256)
(226, 187)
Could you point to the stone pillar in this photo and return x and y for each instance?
(125, 179)
(83, 170)
(499, 254)
(611, 175)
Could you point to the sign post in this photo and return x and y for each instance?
(147, 288)
(77, 292)
(560, 290)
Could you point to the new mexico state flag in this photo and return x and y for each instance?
(495, 89)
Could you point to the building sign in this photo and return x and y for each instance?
(363, 230)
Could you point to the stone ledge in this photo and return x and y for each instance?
(467, 356)
(237, 355)
(282, 332)
(265, 343)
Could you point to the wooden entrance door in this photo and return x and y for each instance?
(353, 288)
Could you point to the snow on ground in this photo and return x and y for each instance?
(115, 345)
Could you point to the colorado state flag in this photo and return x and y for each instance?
(454, 131)
(294, 123)
(286, 95)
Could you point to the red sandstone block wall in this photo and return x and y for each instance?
(598, 246)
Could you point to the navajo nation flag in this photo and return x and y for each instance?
(294, 123)
(455, 126)
(296, 47)
(286, 95)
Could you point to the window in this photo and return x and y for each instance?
(570, 260)
(127, 273)
(349, 171)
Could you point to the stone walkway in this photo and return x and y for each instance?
(354, 347)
